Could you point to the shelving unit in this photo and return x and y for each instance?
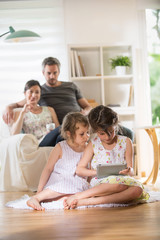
(101, 82)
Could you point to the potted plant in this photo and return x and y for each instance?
(120, 63)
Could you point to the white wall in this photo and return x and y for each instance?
(101, 21)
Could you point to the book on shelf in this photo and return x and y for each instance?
(130, 95)
(77, 65)
(82, 66)
(73, 74)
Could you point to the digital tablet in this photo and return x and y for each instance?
(105, 170)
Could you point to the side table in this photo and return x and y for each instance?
(151, 130)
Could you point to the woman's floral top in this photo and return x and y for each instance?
(36, 123)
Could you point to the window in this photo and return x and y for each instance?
(20, 62)
(153, 43)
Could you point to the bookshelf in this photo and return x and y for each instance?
(90, 69)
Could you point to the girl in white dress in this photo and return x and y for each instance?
(59, 178)
(109, 148)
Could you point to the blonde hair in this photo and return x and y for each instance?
(69, 124)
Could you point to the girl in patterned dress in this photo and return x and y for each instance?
(109, 148)
(59, 178)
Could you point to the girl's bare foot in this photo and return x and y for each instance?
(74, 203)
(65, 204)
(34, 203)
(70, 202)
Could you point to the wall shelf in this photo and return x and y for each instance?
(90, 69)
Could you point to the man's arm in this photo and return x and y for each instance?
(84, 104)
(8, 112)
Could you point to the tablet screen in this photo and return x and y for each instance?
(105, 170)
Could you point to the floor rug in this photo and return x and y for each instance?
(21, 203)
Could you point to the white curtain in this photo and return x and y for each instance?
(20, 62)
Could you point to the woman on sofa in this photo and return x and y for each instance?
(32, 118)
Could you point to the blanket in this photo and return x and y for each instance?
(22, 162)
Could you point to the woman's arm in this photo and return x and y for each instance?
(54, 116)
(82, 169)
(54, 156)
(129, 159)
(16, 125)
(8, 115)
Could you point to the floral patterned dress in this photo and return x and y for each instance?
(116, 155)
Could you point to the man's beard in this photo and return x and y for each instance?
(52, 82)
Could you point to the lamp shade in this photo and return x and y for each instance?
(21, 36)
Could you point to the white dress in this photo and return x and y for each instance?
(63, 178)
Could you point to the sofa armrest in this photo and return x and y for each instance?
(4, 130)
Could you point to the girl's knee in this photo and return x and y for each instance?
(121, 187)
(136, 192)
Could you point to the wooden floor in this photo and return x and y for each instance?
(141, 222)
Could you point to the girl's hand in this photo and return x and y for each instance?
(127, 171)
(95, 173)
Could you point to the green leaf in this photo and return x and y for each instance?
(120, 61)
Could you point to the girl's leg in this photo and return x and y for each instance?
(124, 195)
(46, 194)
(99, 190)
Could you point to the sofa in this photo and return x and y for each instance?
(21, 160)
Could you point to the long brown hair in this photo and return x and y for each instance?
(102, 117)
